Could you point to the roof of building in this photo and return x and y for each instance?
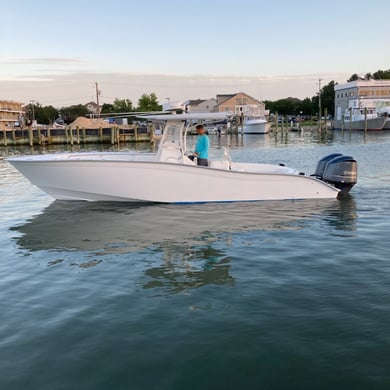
(2, 101)
(196, 102)
(221, 98)
(228, 97)
(362, 83)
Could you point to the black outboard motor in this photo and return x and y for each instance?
(339, 170)
(322, 164)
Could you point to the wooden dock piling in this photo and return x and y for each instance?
(30, 137)
(5, 137)
(79, 135)
(365, 119)
(326, 119)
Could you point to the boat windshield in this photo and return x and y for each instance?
(172, 133)
(171, 145)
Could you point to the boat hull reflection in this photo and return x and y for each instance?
(119, 228)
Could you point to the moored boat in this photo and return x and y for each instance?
(256, 125)
(357, 118)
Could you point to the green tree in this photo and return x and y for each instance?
(378, 75)
(149, 103)
(327, 97)
(69, 114)
(288, 106)
(306, 106)
(123, 105)
(269, 105)
(107, 108)
(353, 77)
(46, 114)
(381, 75)
(30, 110)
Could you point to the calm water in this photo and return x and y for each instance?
(278, 295)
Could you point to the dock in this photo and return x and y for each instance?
(76, 136)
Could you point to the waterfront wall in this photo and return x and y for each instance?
(75, 136)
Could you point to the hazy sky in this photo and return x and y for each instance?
(53, 51)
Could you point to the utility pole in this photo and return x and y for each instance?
(97, 99)
(319, 103)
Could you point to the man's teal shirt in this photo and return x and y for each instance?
(202, 146)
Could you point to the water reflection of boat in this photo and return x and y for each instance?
(190, 267)
(191, 242)
(120, 228)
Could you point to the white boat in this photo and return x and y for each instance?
(362, 118)
(170, 175)
(385, 112)
(256, 124)
(254, 121)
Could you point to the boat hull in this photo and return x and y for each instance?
(372, 124)
(256, 127)
(146, 181)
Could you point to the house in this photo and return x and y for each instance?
(93, 108)
(364, 93)
(202, 105)
(11, 113)
(240, 103)
(237, 103)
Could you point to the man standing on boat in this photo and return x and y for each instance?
(202, 147)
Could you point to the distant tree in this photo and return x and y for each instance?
(30, 110)
(123, 105)
(287, 106)
(381, 75)
(353, 77)
(306, 107)
(118, 106)
(294, 106)
(107, 108)
(327, 97)
(46, 115)
(378, 75)
(69, 114)
(148, 103)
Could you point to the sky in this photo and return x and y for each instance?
(54, 51)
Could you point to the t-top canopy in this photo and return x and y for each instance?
(191, 116)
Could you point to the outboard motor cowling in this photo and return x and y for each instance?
(338, 170)
(341, 171)
(321, 165)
